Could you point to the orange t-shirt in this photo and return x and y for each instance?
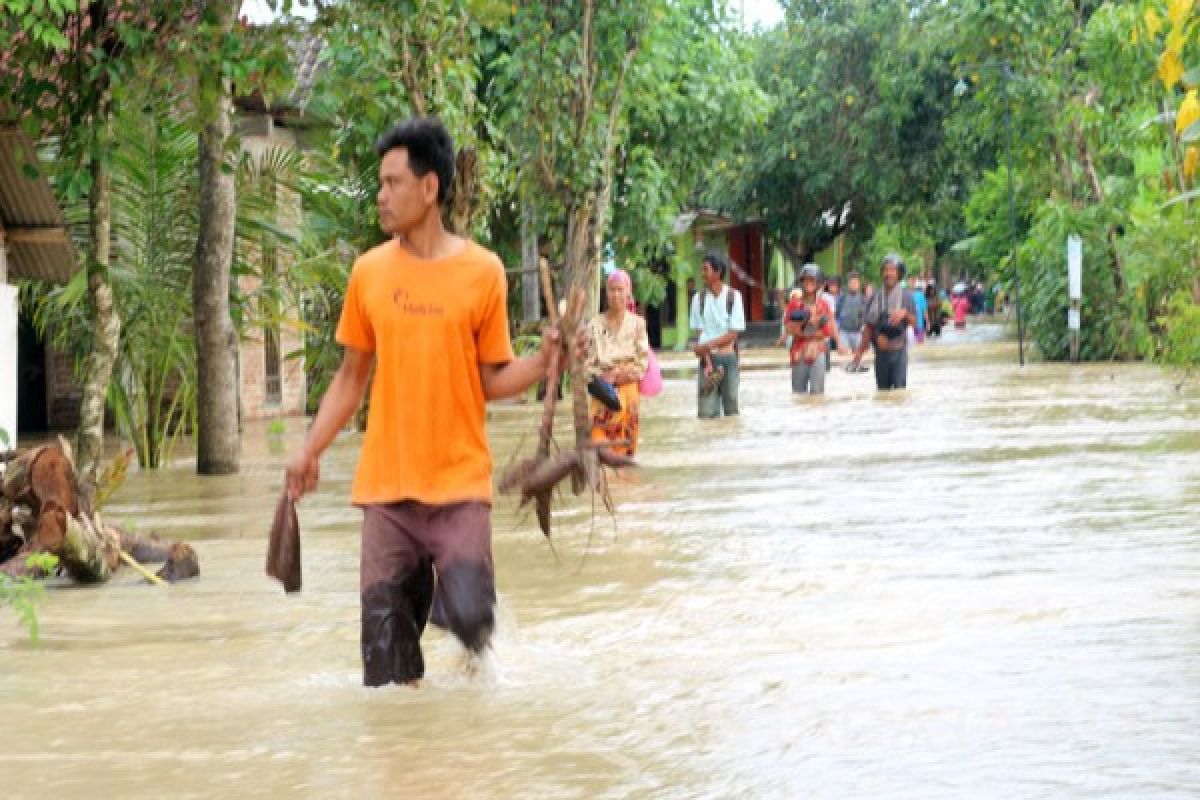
(430, 325)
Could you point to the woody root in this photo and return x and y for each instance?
(537, 477)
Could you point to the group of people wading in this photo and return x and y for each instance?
(427, 311)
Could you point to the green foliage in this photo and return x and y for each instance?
(987, 216)
(693, 96)
(854, 129)
(1096, 154)
(38, 21)
(913, 244)
(1181, 343)
(384, 61)
(1110, 327)
(22, 595)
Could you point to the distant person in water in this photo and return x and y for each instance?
(717, 318)
(618, 353)
(961, 306)
(889, 316)
(428, 311)
(811, 326)
(922, 309)
(850, 310)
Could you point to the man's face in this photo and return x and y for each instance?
(853, 285)
(404, 198)
(809, 285)
(891, 274)
(912, 282)
(710, 273)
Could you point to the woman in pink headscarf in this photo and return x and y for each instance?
(618, 353)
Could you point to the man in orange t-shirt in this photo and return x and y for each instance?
(430, 310)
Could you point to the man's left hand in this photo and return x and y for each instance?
(551, 341)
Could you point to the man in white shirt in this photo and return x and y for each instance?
(717, 317)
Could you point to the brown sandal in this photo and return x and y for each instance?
(712, 381)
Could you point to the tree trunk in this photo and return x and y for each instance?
(106, 326)
(217, 442)
(462, 199)
(578, 258)
(42, 510)
(88, 553)
(795, 253)
(1089, 168)
(599, 227)
(604, 197)
(530, 308)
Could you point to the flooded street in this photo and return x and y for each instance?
(987, 586)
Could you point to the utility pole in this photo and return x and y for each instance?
(1006, 73)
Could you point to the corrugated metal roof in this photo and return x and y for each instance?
(29, 205)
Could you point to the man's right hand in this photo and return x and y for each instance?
(303, 473)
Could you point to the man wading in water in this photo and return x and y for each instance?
(717, 318)
(811, 326)
(890, 312)
(430, 310)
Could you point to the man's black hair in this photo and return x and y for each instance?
(717, 261)
(429, 147)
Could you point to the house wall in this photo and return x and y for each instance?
(8, 361)
(252, 360)
(63, 394)
(746, 249)
(258, 138)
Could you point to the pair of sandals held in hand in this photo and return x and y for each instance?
(712, 380)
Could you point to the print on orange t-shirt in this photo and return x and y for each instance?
(430, 324)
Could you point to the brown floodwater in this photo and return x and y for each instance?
(987, 586)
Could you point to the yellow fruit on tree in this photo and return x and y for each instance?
(1189, 112)
(1190, 162)
(1170, 69)
(1153, 22)
(1177, 11)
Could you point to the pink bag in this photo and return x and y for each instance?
(651, 383)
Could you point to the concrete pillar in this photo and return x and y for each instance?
(8, 352)
(685, 267)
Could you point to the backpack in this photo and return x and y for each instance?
(728, 300)
(728, 308)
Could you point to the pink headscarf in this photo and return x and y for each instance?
(619, 277)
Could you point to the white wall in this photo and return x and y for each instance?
(8, 360)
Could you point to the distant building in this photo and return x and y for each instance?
(272, 385)
(34, 245)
